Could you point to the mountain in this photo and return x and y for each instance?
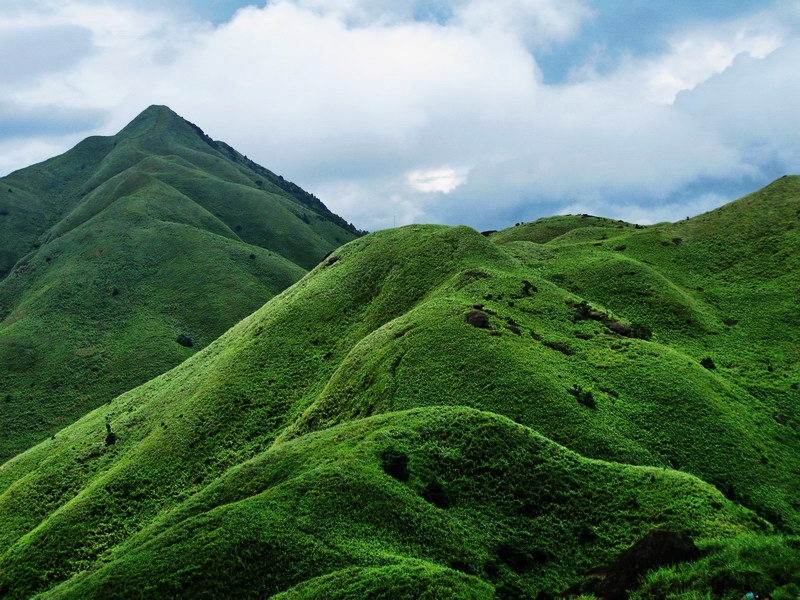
(127, 254)
(435, 413)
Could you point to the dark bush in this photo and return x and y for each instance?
(185, 340)
(395, 464)
(584, 397)
(436, 495)
(527, 288)
(640, 331)
(708, 363)
(516, 558)
(582, 311)
(559, 347)
(111, 437)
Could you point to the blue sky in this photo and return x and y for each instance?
(482, 112)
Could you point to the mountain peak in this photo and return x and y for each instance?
(156, 118)
(115, 211)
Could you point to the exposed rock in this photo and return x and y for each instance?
(477, 318)
(620, 328)
(657, 549)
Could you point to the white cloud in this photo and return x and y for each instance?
(648, 214)
(369, 104)
(32, 52)
(443, 179)
(538, 22)
(694, 58)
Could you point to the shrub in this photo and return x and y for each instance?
(185, 340)
(708, 363)
(641, 331)
(582, 311)
(584, 397)
(111, 437)
(395, 464)
(436, 495)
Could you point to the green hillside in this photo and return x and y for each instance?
(432, 413)
(124, 256)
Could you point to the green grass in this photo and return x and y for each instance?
(730, 568)
(481, 495)
(113, 250)
(357, 436)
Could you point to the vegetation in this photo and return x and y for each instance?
(433, 413)
(122, 257)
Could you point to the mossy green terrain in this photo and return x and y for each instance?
(432, 413)
(114, 251)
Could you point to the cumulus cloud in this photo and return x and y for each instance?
(444, 179)
(18, 121)
(39, 51)
(424, 110)
(753, 104)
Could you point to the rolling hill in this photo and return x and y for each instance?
(434, 413)
(124, 256)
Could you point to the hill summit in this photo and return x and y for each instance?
(575, 406)
(125, 255)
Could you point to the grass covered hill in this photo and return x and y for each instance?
(124, 256)
(432, 413)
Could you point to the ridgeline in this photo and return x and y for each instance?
(434, 413)
(122, 257)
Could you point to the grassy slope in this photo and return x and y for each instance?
(123, 244)
(483, 496)
(273, 459)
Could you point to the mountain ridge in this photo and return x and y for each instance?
(488, 415)
(124, 255)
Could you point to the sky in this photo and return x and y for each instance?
(477, 112)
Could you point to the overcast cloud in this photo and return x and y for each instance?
(483, 112)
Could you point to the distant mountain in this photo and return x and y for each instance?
(124, 256)
(435, 413)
